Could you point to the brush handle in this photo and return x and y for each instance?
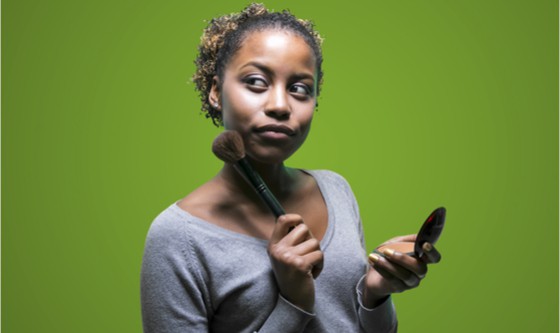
(244, 167)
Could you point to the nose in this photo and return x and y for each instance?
(278, 105)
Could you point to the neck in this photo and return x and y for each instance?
(279, 179)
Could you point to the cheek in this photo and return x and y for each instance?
(306, 129)
(238, 107)
(307, 117)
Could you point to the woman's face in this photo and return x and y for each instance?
(268, 94)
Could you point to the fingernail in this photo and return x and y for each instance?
(427, 247)
(373, 258)
(388, 252)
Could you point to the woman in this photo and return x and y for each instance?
(218, 260)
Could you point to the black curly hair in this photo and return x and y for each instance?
(224, 35)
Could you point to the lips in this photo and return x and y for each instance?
(275, 128)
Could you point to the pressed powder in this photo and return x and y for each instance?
(430, 232)
(403, 247)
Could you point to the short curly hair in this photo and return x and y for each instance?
(224, 35)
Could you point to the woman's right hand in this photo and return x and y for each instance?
(296, 259)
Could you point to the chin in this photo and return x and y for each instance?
(270, 155)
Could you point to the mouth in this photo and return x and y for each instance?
(276, 129)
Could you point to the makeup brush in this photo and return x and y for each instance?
(228, 147)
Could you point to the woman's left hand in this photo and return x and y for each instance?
(395, 272)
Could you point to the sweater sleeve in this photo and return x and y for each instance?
(170, 298)
(381, 319)
(287, 318)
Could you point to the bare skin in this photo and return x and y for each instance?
(229, 202)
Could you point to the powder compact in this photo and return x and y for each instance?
(430, 232)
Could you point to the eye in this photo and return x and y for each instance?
(301, 89)
(257, 83)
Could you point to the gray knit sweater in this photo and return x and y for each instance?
(198, 277)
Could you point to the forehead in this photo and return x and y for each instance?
(276, 47)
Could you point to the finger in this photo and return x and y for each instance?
(431, 254)
(308, 246)
(311, 263)
(297, 235)
(408, 277)
(407, 262)
(396, 285)
(310, 252)
(283, 225)
(315, 258)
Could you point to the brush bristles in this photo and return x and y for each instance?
(228, 147)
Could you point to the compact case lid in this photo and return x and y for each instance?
(430, 231)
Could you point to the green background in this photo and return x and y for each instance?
(425, 103)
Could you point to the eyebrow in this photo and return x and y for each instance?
(269, 72)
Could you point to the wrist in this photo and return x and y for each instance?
(371, 300)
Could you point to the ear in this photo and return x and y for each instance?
(214, 96)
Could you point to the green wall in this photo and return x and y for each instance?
(425, 103)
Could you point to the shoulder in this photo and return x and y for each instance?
(167, 231)
(169, 244)
(176, 232)
(330, 178)
(335, 188)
